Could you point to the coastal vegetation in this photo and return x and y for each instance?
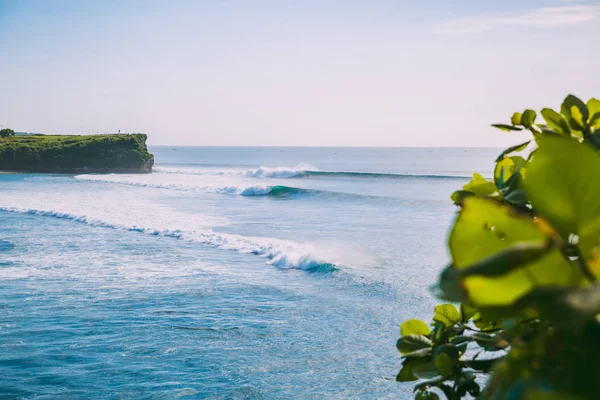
(75, 154)
(6, 132)
(525, 250)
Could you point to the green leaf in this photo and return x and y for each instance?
(409, 343)
(556, 121)
(406, 374)
(439, 333)
(516, 197)
(426, 369)
(489, 342)
(506, 168)
(512, 149)
(507, 128)
(592, 140)
(458, 196)
(528, 118)
(465, 378)
(516, 118)
(422, 353)
(446, 314)
(414, 327)
(577, 116)
(460, 339)
(449, 287)
(484, 228)
(595, 121)
(575, 111)
(445, 360)
(507, 260)
(480, 186)
(593, 106)
(563, 185)
(485, 324)
(467, 311)
(482, 365)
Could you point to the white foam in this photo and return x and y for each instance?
(261, 172)
(280, 172)
(191, 184)
(172, 184)
(280, 253)
(257, 190)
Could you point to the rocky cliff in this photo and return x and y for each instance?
(125, 153)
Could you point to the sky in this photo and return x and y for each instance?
(293, 72)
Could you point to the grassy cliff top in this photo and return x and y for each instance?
(65, 140)
(75, 153)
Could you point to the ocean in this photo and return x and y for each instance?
(229, 273)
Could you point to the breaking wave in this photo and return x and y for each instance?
(301, 171)
(280, 253)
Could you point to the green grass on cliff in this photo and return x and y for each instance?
(65, 153)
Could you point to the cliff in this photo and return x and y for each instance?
(125, 153)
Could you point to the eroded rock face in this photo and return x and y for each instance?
(147, 166)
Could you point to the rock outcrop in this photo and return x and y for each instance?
(125, 153)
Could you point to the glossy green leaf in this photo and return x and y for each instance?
(506, 168)
(421, 353)
(414, 327)
(516, 118)
(480, 186)
(563, 186)
(484, 365)
(446, 358)
(485, 324)
(449, 287)
(446, 314)
(528, 118)
(507, 260)
(575, 111)
(512, 149)
(593, 140)
(593, 106)
(517, 197)
(484, 228)
(467, 311)
(409, 343)
(426, 369)
(439, 333)
(556, 122)
(459, 195)
(595, 121)
(507, 128)
(406, 374)
(460, 339)
(489, 342)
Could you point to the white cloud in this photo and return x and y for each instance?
(546, 17)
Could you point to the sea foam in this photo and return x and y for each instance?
(280, 253)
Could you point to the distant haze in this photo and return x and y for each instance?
(285, 72)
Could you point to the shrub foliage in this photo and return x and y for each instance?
(525, 249)
(6, 132)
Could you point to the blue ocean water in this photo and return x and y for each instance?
(229, 273)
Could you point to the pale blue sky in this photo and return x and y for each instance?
(290, 72)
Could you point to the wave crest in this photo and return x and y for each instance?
(280, 253)
(304, 171)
